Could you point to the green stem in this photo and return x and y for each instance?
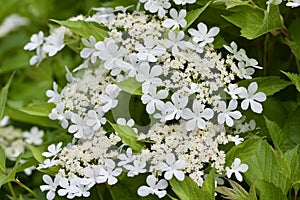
(12, 191)
(265, 56)
(297, 64)
(27, 188)
(296, 194)
(99, 192)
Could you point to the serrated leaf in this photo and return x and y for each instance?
(42, 109)
(2, 161)
(85, 29)
(128, 136)
(291, 128)
(255, 22)
(3, 96)
(276, 133)
(295, 78)
(268, 191)
(192, 15)
(233, 3)
(131, 86)
(189, 190)
(268, 85)
(293, 158)
(237, 192)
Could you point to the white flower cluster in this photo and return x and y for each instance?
(13, 141)
(182, 81)
(11, 23)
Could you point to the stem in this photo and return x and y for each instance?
(286, 34)
(12, 191)
(296, 194)
(297, 64)
(27, 188)
(265, 56)
(99, 192)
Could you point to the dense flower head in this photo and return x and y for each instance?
(187, 88)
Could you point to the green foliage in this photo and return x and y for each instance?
(85, 29)
(2, 161)
(131, 86)
(189, 190)
(194, 15)
(237, 192)
(3, 96)
(295, 78)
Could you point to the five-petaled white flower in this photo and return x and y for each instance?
(80, 128)
(172, 167)
(176, 41)
(158, 6)
(252, 98)
(149, 50)
(153, 98)
(59, 114)
(196, 117)
(54, 43)
(228, 114)
(34, 136)
(53, 95)
(236, 168)
(137, 168)
(233, 90)
(109, 99)
(174, 109)
(53, 150)
(68, 188)
(126, 158)
(95, 119)
(51, 186)
(109, 174)
(177, 20)
(202, 35)
(149, 76)
(90, 49)
(157, 188)
(36, 41)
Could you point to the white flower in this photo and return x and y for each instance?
(174, 109)
(195, 117)
(236, 139)
(176, 41)
(243, 71)
(11, 23)
(126, 158)
(36, 41)
(183, 2)
(90, 49)
(137, 168)
(293, 3)
(236, 168)
(149, 51)
(149, 76)
(172, 167)
(47, 164)
(35, 136)
(68, 188)
(95, 119)
(228, 114)
(103, 15)
(153, 98)
(53, 150)
(109, 99)
(4, 121)
(251, 98)
(80, 128)
(53, 95)
(38, 58)
(130, 123)
(177, 21)
(54, 43)
(233, 90)
(202, 35)
(51, 186)
(157, 188)
(91, 175)
(59, 114)
(154, 6)
(109, 174)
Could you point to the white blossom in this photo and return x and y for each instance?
(158, 6)
(251, 97)
(183, 2)
(4, 121)
(293, 3)
(11, 23)
(109, 174)
(149, 76)
(47, 164)
(172, 167)
(59, 113)
(196, 117)
(80, 128)
(36, 41)
(53, 95)
(126, 158)
(228, 114)
(90, 49)
(51, 186)
(95, 119)
(202, 35)
(177, 21)
(153, 98)
(137, 168)
(53, 150)
(68, 188)
(149, 50)
(54, 43)
(176, 42)
(109, 99)
(233, 90)
(34, 136)
(154, 187)
(236, 168)
(174, 109)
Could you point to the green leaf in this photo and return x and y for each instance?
(131, 86)
(2, 161)
(128, 136)
(192, 15)
(237, 192)
(3, 95)
(255, 22)
(268, 191)
(233, 3)
(85, 29)
(268, 85)
(293, 158)
(275, 132)
(37, 153)
(189, 190)
(291, 129)
(295, 47)
(31, 119)
(264, 163)
(42, 109)
(295, 78)
(5, 178)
